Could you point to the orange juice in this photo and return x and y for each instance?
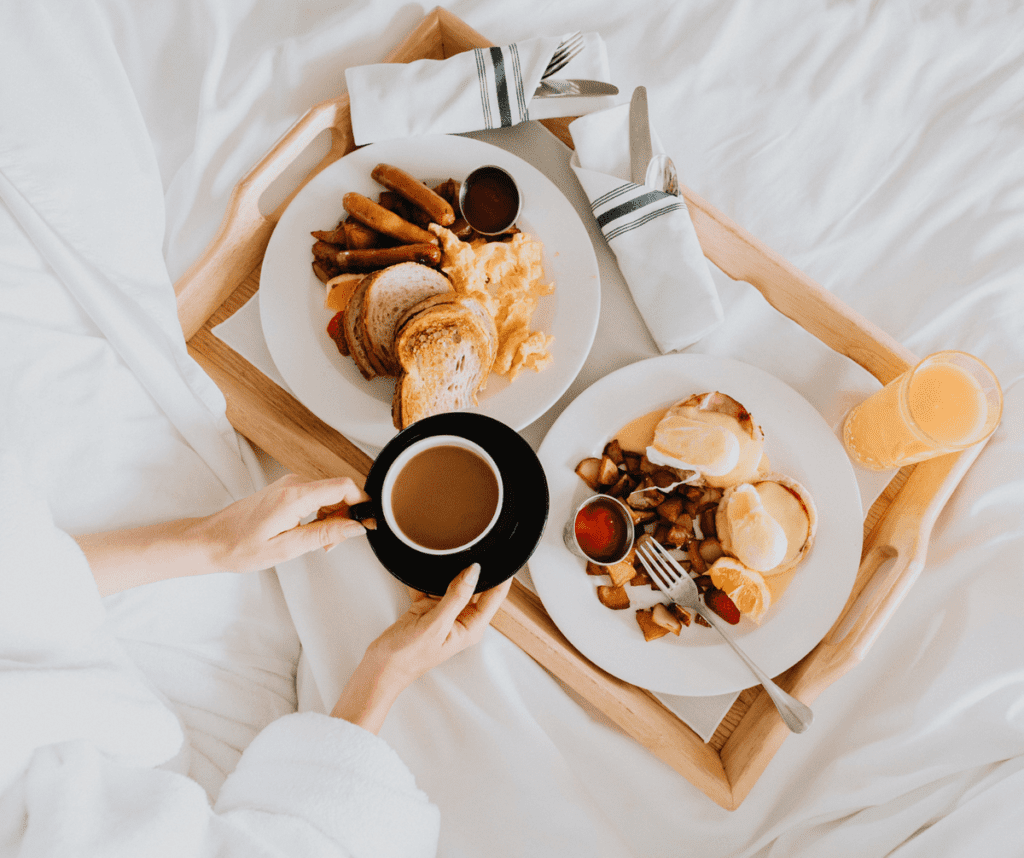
(946, 403)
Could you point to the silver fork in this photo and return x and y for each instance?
(569, 48)
(676, 583)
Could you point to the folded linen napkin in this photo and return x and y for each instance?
(649, 231)
(479, 88)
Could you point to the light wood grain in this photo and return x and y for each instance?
(896, 528)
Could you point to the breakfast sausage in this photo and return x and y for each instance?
(372, 259)
(377, 217)
(358, 236)
(414, 191)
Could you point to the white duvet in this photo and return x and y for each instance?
(876, 146)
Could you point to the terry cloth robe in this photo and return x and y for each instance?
(82, 734)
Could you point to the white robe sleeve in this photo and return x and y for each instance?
(82, 734)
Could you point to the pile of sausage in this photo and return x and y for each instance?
(375, 235)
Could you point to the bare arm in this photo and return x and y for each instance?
(254, 533)
(263, 530)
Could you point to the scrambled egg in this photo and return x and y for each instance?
(507, 277)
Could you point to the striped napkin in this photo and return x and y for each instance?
(649, 231)
(478, 89)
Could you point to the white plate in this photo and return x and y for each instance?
(798, 443)
(295, 321)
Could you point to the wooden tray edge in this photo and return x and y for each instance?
(299, 441)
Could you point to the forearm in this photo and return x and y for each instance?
(368, 695)
(123, 559)
(253, 533)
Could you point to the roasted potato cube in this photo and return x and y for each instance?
(642, 516)
(652, 631)
(588, 470)
(608, 473)
(697, 562)
(594, 569)
(613, 450)
(710, 494)
(647, 466)
(641, 578)
(671, 508)
(662, 616)
(680, 613)
(631, 461)
(645, 499)
(708, 524)
(623, 487)
(621, 572)
(663, 477)
(710, 549)
(615, 598)
(681, 531)
(685, 474)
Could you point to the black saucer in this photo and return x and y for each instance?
(524, 510)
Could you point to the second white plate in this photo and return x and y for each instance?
(798, 443)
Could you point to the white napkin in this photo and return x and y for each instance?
(649, 231)
(479, 88)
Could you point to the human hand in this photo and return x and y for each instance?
(433, 629)
(264, 529)
(430, 632)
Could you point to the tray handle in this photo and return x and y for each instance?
(900, 539)
(244, 232)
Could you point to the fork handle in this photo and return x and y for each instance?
(797, 715)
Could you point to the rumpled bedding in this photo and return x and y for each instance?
(86, 733)
(875, 146)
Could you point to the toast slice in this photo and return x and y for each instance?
(390, 293)
(353, 328)
(445, 347)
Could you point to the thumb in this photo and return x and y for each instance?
(458, 594)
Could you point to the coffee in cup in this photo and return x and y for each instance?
(442, 495)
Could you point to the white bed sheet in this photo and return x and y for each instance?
(876, 146)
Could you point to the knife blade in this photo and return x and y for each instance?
(568, 87)
(640, 150)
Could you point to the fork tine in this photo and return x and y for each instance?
(669, 560)
(570, 54)
(652, 563)
(569, 48)
(567, 44)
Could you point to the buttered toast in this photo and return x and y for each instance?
(445, 347)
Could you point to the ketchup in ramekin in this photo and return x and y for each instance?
(601, 530)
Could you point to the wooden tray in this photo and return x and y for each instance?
(896, 529)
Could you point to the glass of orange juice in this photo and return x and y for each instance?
(949, 401)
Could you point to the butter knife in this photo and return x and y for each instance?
(568, 87)
(640, 150)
